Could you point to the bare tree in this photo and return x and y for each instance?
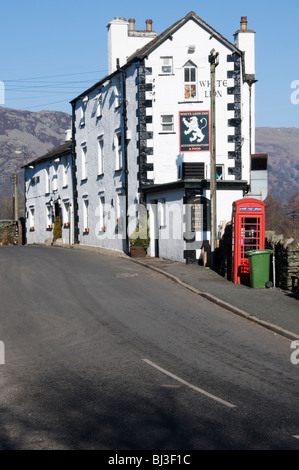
(6, 208)
(276, 219)
(292, 213)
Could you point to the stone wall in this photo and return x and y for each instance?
(286, 253)
(10, 233)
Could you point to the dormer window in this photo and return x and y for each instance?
(99, 105)
(83, 111)
(117, 93)
(190, 89)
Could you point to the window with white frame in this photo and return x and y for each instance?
(55, 177)
(118, 151)
(49, 216)
(84, 162)
(119, 221)
(66, 214)
(162, 212)
(190, 89)
(166, 67)
(219, 172)
(83, 111)
(100, 155)
(85, 215)
(65, 172)
(167, 124)
(47, 177)
(99, 105)
(117, 93)
(102, 214)
(31, 218)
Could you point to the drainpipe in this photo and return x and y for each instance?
(251, 81)
(74, 177)
(126, 172)
(214, 61)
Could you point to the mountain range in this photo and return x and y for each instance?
(25, 135)
(33, 134)
(282, 146)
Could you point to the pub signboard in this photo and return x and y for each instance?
(194, 131)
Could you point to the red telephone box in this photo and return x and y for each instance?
(248, 233)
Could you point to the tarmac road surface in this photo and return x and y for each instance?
(102, 353)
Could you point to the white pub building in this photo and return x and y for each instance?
(142, 137)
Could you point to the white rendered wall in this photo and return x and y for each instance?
(117, 43)
(224, 202)
(168, 229)
(245, 41)
(38, 197)
(122, 44)
(111, 184)
(168, 98)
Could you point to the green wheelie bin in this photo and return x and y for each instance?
(260, 268)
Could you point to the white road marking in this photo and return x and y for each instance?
(197, 389)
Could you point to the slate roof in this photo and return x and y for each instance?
(142, 52)
(151, 45)
(63, 149)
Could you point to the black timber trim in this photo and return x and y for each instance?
(198, 186)
(236, 137)
(143, 119)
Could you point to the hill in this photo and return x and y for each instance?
(36, 133)
(32, 133)
(282, 146)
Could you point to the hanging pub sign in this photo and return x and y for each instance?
(194, 131)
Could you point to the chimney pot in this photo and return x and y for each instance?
(149, 25)
(131, 24)
(243, 23)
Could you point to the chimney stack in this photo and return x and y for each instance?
(243, 23)
(149, 25)
(131, 24)
(68, 135)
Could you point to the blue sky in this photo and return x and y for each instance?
(52, 50)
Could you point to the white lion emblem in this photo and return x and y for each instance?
(193, 128)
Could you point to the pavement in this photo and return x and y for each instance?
(271, 308)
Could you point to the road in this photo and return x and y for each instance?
(102, 353)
